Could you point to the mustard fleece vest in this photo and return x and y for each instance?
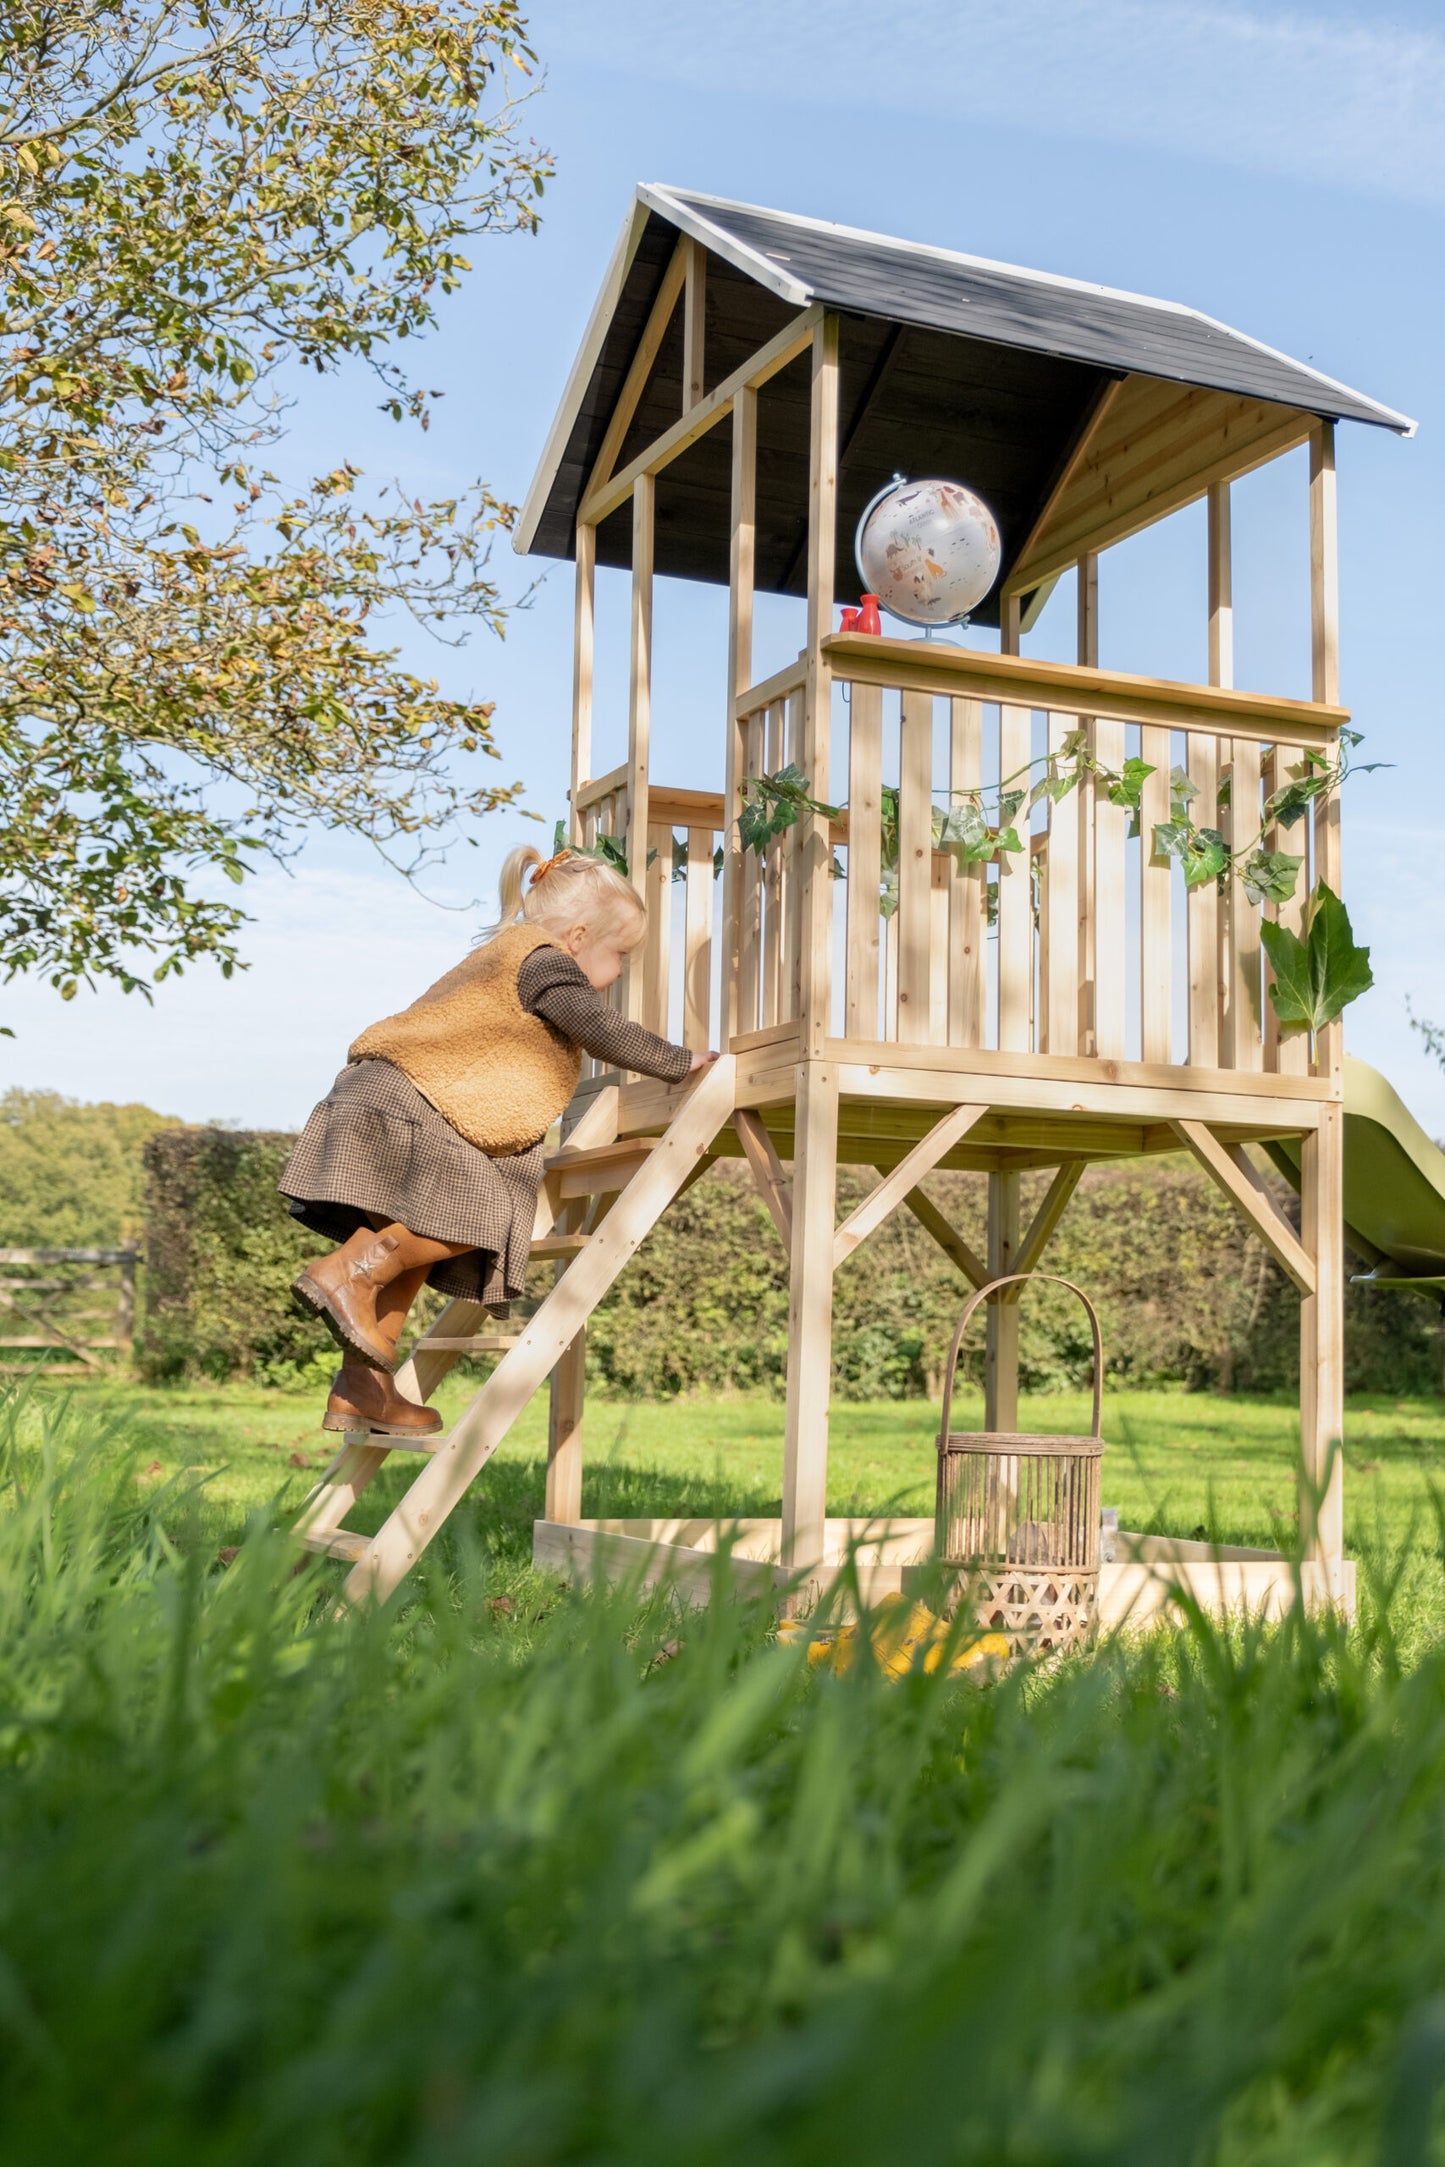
(498, 1075)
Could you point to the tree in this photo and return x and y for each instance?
(195, 199)
(71, 1175)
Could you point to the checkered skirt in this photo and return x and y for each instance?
(374, 1145)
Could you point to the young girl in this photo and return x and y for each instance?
(425, 1158)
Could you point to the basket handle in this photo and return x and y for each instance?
(1015, 1279)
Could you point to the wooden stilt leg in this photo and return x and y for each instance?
(1001, 1360)
(810, 1315)
(564, 1431)
(1322, 1334)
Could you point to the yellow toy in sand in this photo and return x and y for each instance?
(904, 1636)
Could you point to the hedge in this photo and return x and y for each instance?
(1186, 1295)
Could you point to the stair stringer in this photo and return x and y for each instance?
(454, 1466)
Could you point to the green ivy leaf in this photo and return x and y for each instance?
(1315, 978)
(1270, 876)
(1205, 858)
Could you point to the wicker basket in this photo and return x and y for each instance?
(1019, 1514)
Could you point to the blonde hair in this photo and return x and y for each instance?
(570, 890)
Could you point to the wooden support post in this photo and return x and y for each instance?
(693, 326)
(815, 850)
(1322, 1342)
(1015, 880)
(1040, 1233)
(740, 675)
(967, 951)
(1001, 1359)
(865, 860)
(810, 1316)
(1325, 683)
(583, 635)
(564, 1431)
(639, 715)
(915, 867)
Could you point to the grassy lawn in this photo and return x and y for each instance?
(1177, 1463)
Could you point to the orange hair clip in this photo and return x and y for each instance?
(540, 872)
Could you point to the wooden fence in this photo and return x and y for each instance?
(45, 1309)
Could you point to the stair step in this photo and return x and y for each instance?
(558, 1245)
(594, 1170)
(474, 1343)
(393, 1444)
(341, 1543)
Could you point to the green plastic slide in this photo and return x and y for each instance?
(1394, 1186)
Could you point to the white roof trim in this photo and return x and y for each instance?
(580, 377)
(724, 244)
(673, 208)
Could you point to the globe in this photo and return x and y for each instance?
(929, 550)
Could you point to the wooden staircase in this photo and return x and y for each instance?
(600, 1198)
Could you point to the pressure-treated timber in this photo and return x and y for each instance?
(810, 1314)
(1055, 1203)
(1030, 682)
(793, 340)
(868, 1216)
(1227, 1166)
(815, 931)
(767, 1171)
(1001, 1345)
(475, 1437)
(694, 326)
(643, 361)
(583, 655)
(947, 1236)
(639, 713)
(1325, 677)
(1322, 1346)
(741, 560)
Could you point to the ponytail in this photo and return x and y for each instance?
(518, 864)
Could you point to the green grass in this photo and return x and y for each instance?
(516, 1875)
(1177, 1463)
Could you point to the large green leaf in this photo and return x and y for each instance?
(1315, 978)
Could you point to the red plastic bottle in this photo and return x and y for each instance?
(850, 621)
(868, 618)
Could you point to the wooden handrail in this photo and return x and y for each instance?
(1070, 688)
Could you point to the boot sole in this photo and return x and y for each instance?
(353, 1423)
(316, 1299)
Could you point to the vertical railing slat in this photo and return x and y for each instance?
(966, 958)
(773, 879)
(1202, 913)
(750, 893)
(1060, 1001)
(657, 946)
(1155, 911)
(697, 941)
(1015, 898)
(865, 775)
(915, 866)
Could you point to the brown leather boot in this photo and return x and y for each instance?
(363, 1398)
(342, 1289)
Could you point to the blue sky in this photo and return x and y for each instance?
(1283, 169)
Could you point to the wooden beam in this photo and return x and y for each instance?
(814, 859)
(793, 340)
(742, 558)
(1325, 684)
(810, 1315)
(1001, 1352)
(639, 714)
(948, 1238)
(654, 331)
(583, 624)
(1231, 1170)
(767, 1169)
(780, 686)
(1322, 1346)
(1041, 1227)
(1029, 682)
(694, 333)
(867, 1217)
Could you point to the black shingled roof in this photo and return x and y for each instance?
(949, 365)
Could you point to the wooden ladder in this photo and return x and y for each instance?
(629, 1184)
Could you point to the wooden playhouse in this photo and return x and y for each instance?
(746, 383)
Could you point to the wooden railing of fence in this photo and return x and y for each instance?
(38, 1316)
